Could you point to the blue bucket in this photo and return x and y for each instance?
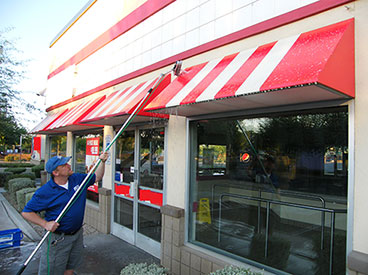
(10, 238)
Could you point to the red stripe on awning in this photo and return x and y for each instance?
(193, 95)
(40, 128)
(322, 59)
(124, 102)
(245, 70)
(308, 57)
(69, 120)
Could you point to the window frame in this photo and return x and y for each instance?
(269, 111)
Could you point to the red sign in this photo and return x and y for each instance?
(92, 153)
(36, 148)
(92, 146)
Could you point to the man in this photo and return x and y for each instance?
(61, 252)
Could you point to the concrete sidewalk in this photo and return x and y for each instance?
(103, 254)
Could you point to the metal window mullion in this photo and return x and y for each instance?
(137, 143)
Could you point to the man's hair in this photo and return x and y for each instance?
(52, 174)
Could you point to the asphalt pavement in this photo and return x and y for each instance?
(103, 253)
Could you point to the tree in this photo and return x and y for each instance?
(10, 131)
(11, 72)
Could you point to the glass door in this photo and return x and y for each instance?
(124, 187)
(150, 189)
(138, 188)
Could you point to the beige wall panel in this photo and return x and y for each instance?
(107, 180)
(176, 162)
(360, 238)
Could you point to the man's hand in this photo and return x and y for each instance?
(36, 219)
(51, 226)
(101, 169)
(104, 156)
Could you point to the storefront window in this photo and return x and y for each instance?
(58, 146)
(88, 148)
(269, 190)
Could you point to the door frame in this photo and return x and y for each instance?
(132, 236)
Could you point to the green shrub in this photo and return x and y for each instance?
(37, 169)
(143, 268)
(4, 177)
(20, 183)
(30, 175)
(17, 176)
(21, 196)
(234, 270)
(28, 197)
(16, 164)
(16, 170)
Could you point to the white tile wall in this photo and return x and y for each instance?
(166, 49)
(192, 19)
(242, 17)
(223, 8)
(179, 25)
(146, 58)
(207, 12)
(207, 32)
(167, 32)
(192, 39)
(223, 25)
(179, 44)
(263, 10)
(61, 86)
(182, 25)
(156, 54)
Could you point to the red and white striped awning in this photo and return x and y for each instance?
(49, 119)
(309, 67)
(69, 120)
(122, 103)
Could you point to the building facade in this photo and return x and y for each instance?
(250, 151)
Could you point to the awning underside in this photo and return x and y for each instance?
(313, 66)
(289, 96)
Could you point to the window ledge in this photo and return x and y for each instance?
(358, 261)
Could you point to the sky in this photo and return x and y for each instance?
(36, 23)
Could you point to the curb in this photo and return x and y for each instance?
(19, 221)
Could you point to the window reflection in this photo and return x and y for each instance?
(152, 158)
(58, 146)
(247, 175)
(124, 163)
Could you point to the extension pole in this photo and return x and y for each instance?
(66, 208)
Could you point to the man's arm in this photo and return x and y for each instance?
(101, 168)
(36, 219)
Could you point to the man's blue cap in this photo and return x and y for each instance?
(56, 161)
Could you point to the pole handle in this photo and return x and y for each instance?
(20, 271)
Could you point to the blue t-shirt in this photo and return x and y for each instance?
(52, 198)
